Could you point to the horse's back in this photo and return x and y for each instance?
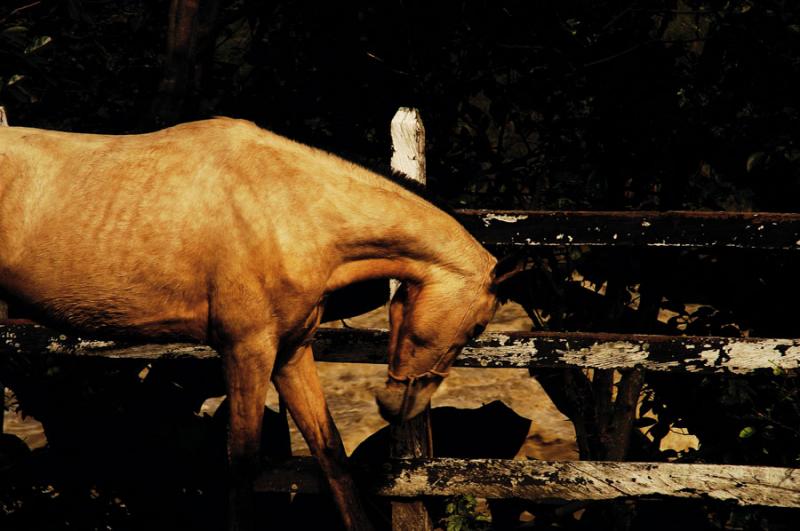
(99, 227)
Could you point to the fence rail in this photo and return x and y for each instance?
(532, 480)
(696, 354)
(550, 481)
(735, 230)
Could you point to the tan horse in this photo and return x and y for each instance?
(227, 234)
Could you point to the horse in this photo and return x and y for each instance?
(220, 232)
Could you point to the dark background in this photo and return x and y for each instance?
(568, 105)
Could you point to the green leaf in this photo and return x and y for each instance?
(754, 160)
(14, 29)
(747, 432)
(38, 43)
(16, 78)
(454, 524)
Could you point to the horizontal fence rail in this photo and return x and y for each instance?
(736, 230)
(543, 481)
(498, 349)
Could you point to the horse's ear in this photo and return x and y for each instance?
(507, 267)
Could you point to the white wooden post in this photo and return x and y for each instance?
(413, 438)
(408, 144)
(408, 153)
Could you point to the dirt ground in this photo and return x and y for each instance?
(350, 391)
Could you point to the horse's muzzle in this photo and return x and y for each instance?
(400, 401)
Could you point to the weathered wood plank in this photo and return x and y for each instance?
(508, 350)
(589, 350)
(738, 230)
(16, 338)
(621, 351)
(550, 481)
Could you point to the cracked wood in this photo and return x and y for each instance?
(542, 481)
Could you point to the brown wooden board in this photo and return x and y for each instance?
(550, 481)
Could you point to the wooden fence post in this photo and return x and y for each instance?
(413, 438)
(3, 305)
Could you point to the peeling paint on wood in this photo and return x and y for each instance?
(509, 350)
(505, 218)
(544, 481)
(595, 350)
(33, 338)
(408, 144)
(738, 230)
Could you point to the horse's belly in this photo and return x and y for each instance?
(165, 323)
(113, 308)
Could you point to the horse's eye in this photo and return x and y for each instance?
(478, 330)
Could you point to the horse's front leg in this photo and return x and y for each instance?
(248, 366)
(298, 384)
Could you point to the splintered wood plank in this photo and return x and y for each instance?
(553, 481)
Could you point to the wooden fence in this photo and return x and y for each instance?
(407, 477)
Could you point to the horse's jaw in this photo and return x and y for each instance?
(397, 403)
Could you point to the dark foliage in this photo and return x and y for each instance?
(668, 104)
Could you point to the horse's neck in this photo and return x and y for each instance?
(395, 233)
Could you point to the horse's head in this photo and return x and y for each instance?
(430, 324)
